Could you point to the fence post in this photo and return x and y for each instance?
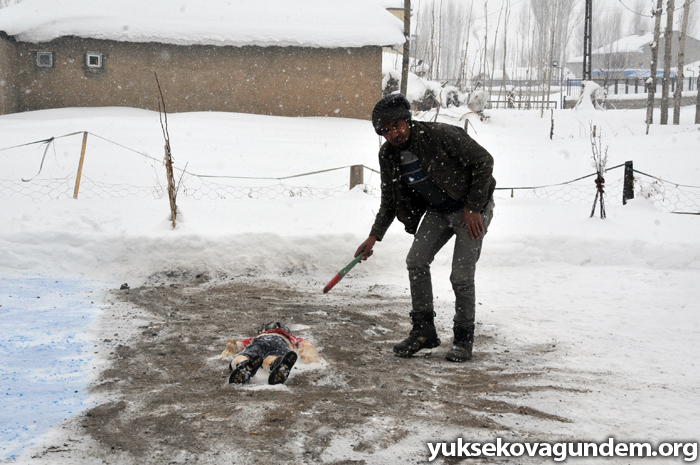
(356, 175)
(80, 166)
(628, 184)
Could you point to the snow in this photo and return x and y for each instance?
(586, 99)
(265, 23)
(616, 299)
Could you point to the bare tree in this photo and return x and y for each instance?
(526, 34)
(693, 20)
(495, 39)
(505, 48)
(550, 58)
(168, 159)
(543, 18)
(438, 45)
(651, 82)
(425, 43)
(451, 38)
(486, 38)
(566, 15)
(639, 19)
(443, 38)
(465, 49)
(5, 3)
(697, 107)
(681, 63)
(668, 42)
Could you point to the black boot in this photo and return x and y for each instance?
(280, 368)
(461, 350)
(422, 336)
(245, 370)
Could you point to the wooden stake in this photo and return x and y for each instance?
(80, 167)
(356, 175)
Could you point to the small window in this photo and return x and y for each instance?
(44, 59)
(93, 60)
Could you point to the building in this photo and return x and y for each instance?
(272, 57)
(631, 56)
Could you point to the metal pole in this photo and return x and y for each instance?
(628, 185)
(587, 43)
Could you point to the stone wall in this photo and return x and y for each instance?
(8, 81)
(282, 81)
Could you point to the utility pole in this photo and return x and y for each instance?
(406, 45)
(588, 22)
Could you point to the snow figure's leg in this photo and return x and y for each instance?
(236, 360)
(245, 369)
(281, 367)
(246, 363)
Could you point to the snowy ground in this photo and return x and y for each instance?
(613, 300)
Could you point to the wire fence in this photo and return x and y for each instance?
(622, 85)
(666, 196)
(619, 186)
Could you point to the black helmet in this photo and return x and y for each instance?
(391, 108)
(274, 325)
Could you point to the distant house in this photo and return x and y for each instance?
(273, 57)
(631, 56)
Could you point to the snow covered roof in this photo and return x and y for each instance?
(308, 23)
(629, 44)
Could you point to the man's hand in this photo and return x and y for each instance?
(366, 248)
(472, 221)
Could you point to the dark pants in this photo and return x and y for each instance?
(266, 345)
(433, 233)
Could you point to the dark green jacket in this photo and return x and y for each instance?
(450, 158)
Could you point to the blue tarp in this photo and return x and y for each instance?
(45, 356)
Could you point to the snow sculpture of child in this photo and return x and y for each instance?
(275, 348)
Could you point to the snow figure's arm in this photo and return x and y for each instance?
(308, 352)
(232, 348)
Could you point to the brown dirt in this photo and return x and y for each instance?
(165, 397)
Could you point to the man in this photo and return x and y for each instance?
(436, 172)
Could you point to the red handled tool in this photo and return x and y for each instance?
(336, 279)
